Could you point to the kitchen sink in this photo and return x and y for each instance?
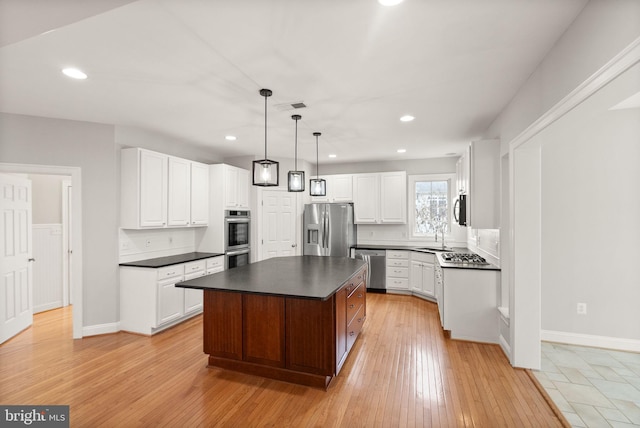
(445, 249)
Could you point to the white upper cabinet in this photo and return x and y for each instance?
(366, 198)
(339, 189)
(156, 190)
(236, 187)
(143, 189)
(483, 210)
(393, 197)
(199, 194)
(380, 198)
(179, 200)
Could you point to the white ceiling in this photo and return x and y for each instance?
(192, 69)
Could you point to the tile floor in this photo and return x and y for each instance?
(592, 387)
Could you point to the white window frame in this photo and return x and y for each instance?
(451, 179)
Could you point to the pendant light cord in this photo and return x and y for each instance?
(317, 167)
(296, 151)
(265, 126)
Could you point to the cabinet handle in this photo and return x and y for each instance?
(360, 296)
(352, 306)
(359, 319)
(351, 333)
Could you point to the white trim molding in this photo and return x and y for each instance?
(95, 330)
(614, 343)
(624, 60)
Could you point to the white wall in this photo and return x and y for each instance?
(590, 208)
(42, 141)
(602, 30)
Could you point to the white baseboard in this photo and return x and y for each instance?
(505, 347)
(616, 343)
(94, 330)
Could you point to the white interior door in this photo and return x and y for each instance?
(278, 224)
(16, 306)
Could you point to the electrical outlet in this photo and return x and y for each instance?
(581, 309)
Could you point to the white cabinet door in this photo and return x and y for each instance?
(236, 188)
(230, 187)
(366, 198)
(393, 197)
(242, 190)
(428, 279)
(170, 301)
(199, 194)
(179, 197)
(153, 189)
(341, 189)
(415, 276)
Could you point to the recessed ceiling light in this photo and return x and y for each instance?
(74, 73)
(401, 150)
(332, 155)
(389, 2)
(230, 137)
(407, 118)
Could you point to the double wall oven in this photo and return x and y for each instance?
(237, 227)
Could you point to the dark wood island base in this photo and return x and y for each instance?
(294, 339)
(288, 318)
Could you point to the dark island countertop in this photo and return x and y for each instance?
(312, 277)
(159, 262)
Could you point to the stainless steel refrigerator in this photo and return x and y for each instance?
(328, 230)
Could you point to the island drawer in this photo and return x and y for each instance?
(355, 301)
(355, 282)
(354, 328)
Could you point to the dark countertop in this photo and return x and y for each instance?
(312, 277)
(425, 249)
(159, 262)
(432, 250)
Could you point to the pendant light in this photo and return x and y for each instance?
(295, 179)
(265, 171)
(317, 186)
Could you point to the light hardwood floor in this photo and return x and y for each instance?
(401, 372)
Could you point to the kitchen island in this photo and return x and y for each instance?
(288, 318)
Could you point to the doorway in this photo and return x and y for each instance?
(279, 224)
(74, 208)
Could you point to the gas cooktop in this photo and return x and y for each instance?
(467, 258)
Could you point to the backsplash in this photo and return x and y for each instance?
(485, 242)
(149, 243)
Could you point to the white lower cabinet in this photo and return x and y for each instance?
(397, 278)
(469, 300)
(149, 300)
(422, 275)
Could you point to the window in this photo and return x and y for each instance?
(431, 200)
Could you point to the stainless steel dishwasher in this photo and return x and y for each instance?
(377, 272)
